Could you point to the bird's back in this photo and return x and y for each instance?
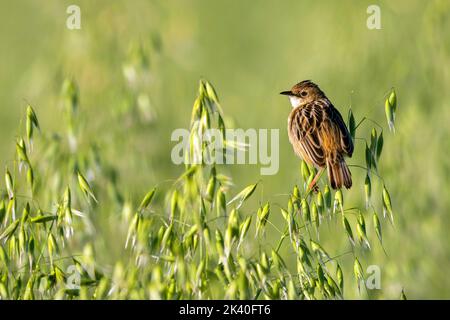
(320, 130)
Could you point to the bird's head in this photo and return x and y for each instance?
(303, 92)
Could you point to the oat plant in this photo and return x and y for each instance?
(198, 238)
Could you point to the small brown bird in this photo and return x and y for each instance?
(319, 134)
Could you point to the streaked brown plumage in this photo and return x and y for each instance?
(318, 133)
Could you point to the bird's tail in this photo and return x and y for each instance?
(338, 173)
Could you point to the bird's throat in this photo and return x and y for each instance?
(295, 101)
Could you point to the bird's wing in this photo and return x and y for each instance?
(344, 140)
(319, 131)
(305, 132)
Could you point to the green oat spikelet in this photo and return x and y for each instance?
(85, 187)
(390, 109)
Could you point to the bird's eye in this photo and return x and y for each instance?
(303, 93)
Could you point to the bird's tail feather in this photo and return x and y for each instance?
(339, 174)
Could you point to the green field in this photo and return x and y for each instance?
(135, 66)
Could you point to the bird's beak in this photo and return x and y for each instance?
(286, 93)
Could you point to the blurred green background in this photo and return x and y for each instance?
(250, 51)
